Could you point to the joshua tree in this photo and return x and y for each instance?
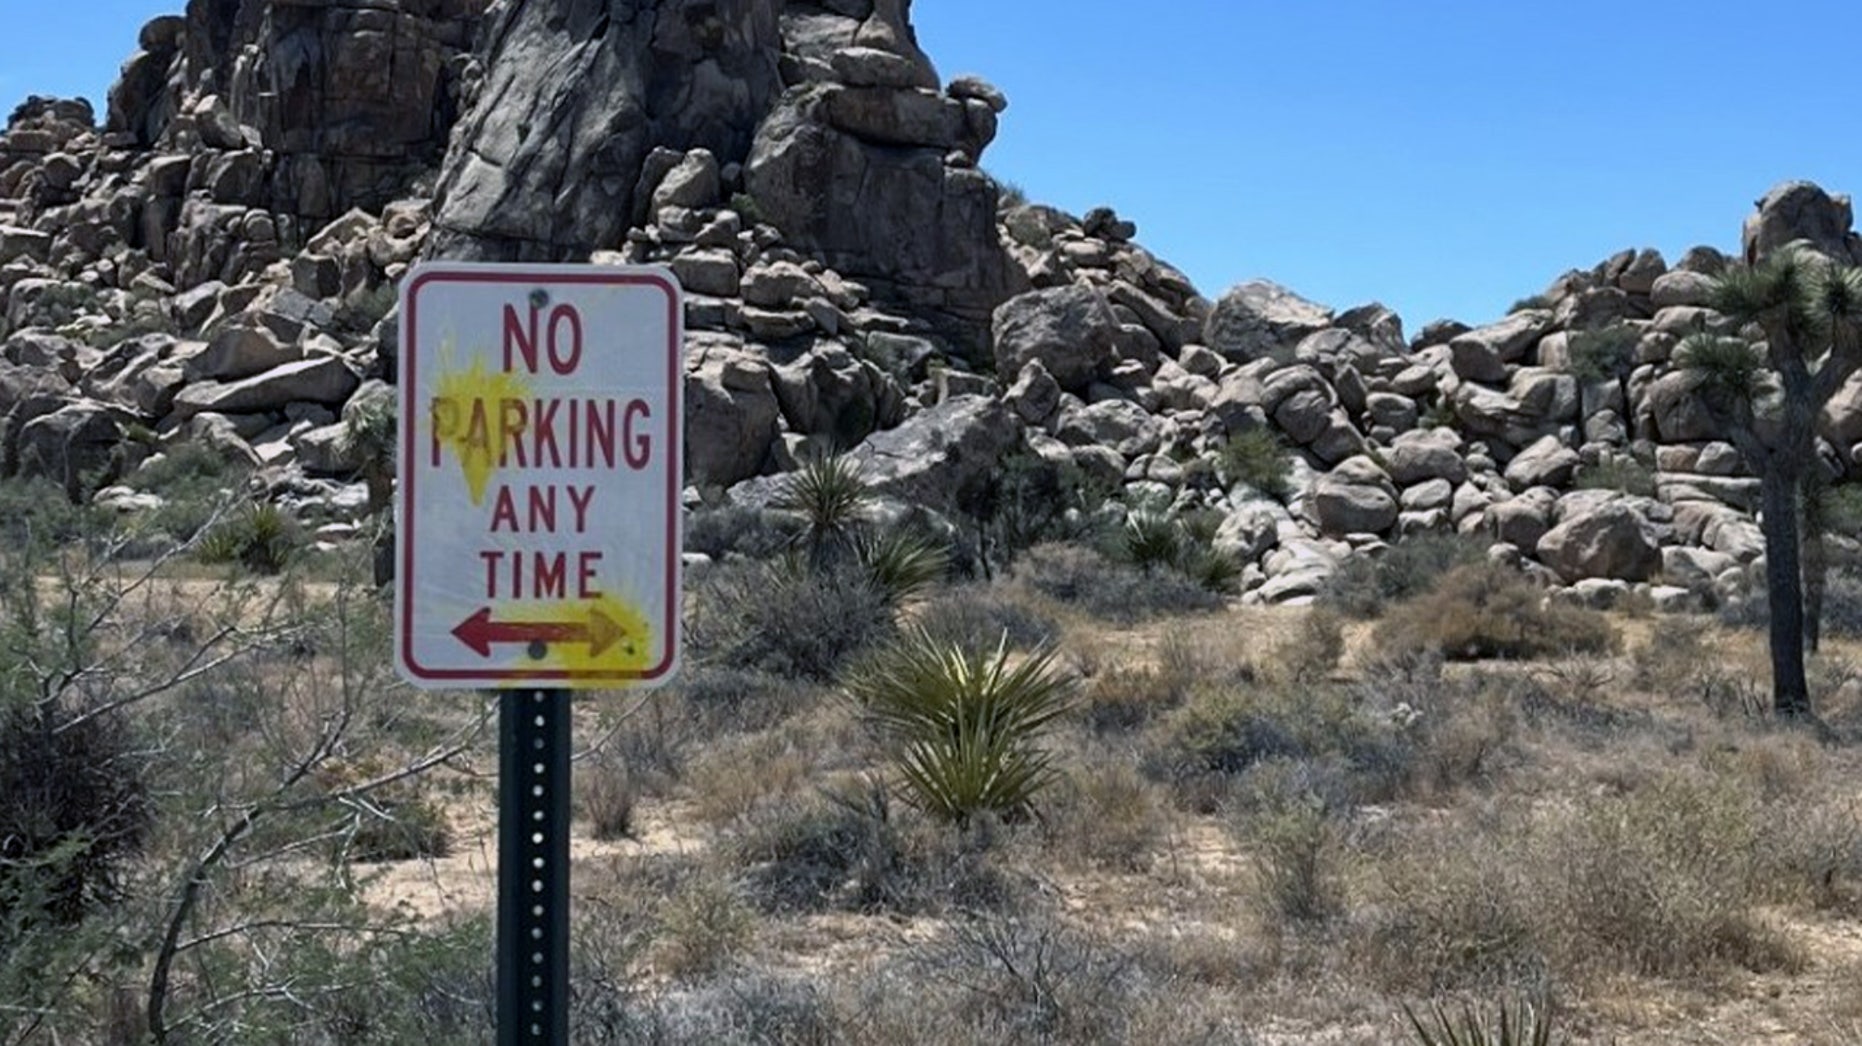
(1806, 311)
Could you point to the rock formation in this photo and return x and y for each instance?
(215, 264)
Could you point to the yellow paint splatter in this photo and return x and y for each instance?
(620, 638)
(468, 416)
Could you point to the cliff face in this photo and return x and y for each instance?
(216, 265)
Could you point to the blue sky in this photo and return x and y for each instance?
(1443, 157)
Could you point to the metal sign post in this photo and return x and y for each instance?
(537, 540)
(533, 868)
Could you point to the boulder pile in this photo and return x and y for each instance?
(214, 264)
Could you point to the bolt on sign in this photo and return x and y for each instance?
(538, 522)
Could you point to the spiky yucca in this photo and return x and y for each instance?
(900, 564)
(832, 497)
(1521, 1025)
(967, 724)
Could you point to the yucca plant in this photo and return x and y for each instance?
(832, 497)
(967, 724)
(900, 564)
(1521, 1025)
(261, 538)
(1152, 538)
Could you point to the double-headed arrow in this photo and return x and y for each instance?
(599, 631)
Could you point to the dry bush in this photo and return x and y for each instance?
(1313, 650)
(1104, 814)
(734, 778)
(978, 617)
(851, 850)
(703, 927)
(1491, 611)
(1456, 912)
(723, 699)
(1297, 848)
(1108, 590)
(1663, 881)
(1025, 979)
(404, 828)
(1351, 753)
(605, 794)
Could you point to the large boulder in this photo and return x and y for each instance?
(1354, 498)
(731, 417)
(1424, 454)
(1799, 210)
(944, 456)
(895, 215)
(575, 97)
(1609, 541)
(1069, 330)
(1261, 318)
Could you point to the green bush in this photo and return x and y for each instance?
(735, 530)
(77, 811)
(406, 829)
(1487, 610)
(1110, 590)
(1531, 301)
(262, 538)
(1624, 474)
(978, 617)
(1296, 854)
(1607, 353)
(1258, 458)
(785, 619)
(1363, 586)
(966, 726)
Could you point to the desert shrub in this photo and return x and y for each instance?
(1106, 815)
(785, 619)
(966, 726)
(1127, 696)
(832, 497)
(1458, 912)
(746, 771)
(1314, 648)
(261, 537)
(1259, 459)
(1531, 301)
(1109, 590)
(401, 829)
(34, 513)
(77, 811)
(195, 482)
(1295, 849)
(736, 530)
(1027, 501)
(1030, 979)
(1207, 748)
(1487, 610)
(978, 617)
(1157, 540)
(848, 849)
(1605, 354)
(723, 699)
(1661, 881)
(1625, 474)
(745, 1007)
(1363, 586)
(605, 794)
(900, 564)
(702, 928)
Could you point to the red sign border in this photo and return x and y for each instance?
(409, 355)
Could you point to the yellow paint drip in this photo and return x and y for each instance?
(631, 650)
(469, 418)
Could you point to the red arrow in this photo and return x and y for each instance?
(479, 632)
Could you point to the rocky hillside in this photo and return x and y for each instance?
(214, 264)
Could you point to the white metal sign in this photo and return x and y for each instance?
(538, 522)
